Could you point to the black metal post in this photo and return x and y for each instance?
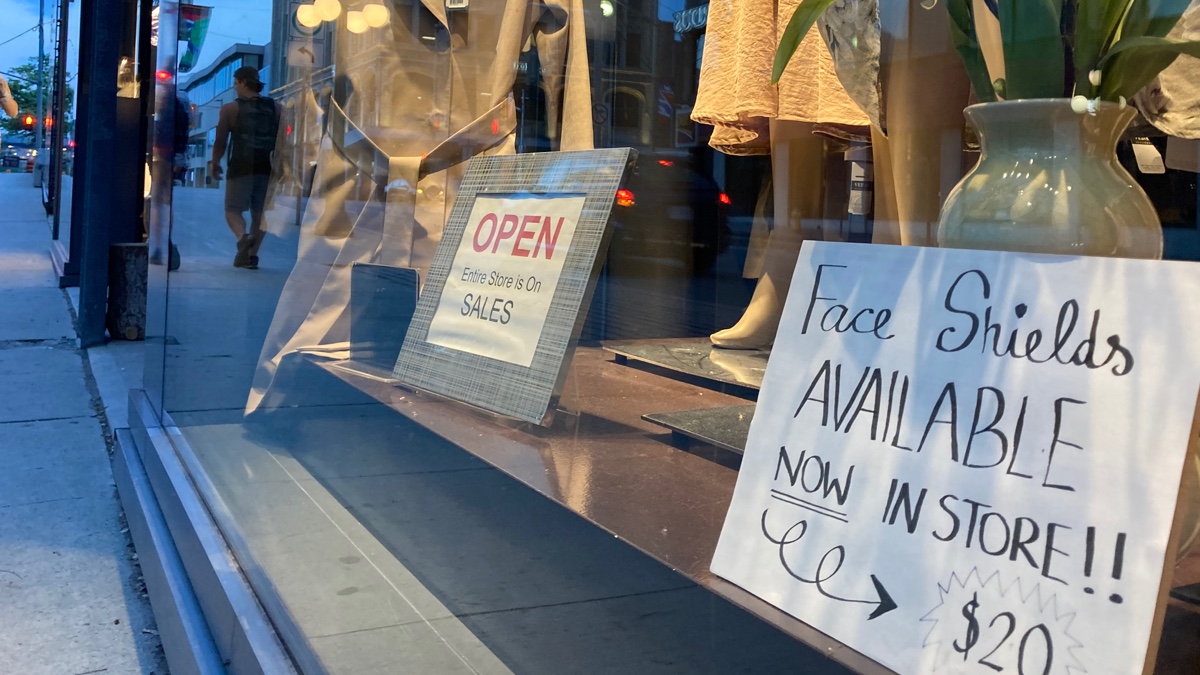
(54, 175)
(96, 190)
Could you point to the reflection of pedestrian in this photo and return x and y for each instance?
(7, 102)
(171, 129)
(253, 122)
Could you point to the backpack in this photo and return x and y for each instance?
(254, 136)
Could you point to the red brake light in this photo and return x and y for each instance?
(163, 75)
(666, 162)
(625, 197)
(724, 199)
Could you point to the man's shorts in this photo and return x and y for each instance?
(246, 193)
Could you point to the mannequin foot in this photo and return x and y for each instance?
(745, 369)
(754, 331)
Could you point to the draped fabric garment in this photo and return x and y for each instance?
(735, 94)
(1172, 101)
(423, 95)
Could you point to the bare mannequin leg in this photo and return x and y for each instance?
(797, 165)
(925, 90)
(887, 222)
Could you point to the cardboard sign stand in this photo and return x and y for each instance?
(500, 316)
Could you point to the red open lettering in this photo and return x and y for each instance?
(551, 240)
(508, 227)
(480, 248)
(525, 233)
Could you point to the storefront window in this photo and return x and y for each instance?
(327, 159)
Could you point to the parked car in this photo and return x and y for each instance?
(670, 209)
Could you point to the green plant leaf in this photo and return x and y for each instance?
(1153, 18)
(1146, 46)
(966, 43)
(1034, 58)
(1096, 23)
(1134, 61)
(798, 26)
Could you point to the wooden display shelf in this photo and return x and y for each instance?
(603, 461)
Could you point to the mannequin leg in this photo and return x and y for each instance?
(797, 166)
(925, 90)
(887, 222)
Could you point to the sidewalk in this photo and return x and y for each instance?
(71, 597)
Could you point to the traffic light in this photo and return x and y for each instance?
(28, 121)
(49, 122)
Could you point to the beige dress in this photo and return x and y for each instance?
(735, 94)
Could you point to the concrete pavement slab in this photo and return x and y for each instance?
(71, 597)
(54, 460)
(25, 269)
(67, 590)
(34, 314)
(42, 382)
(68, 586)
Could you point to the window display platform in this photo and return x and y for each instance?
(734, 371)
(607, 460)
(725, 428)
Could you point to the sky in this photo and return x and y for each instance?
(232, 21)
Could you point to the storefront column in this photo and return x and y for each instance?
(97, 192)
(108, 193)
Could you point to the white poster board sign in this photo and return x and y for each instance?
(504, 275)
(968, 462)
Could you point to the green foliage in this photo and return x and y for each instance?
(1124, 39)
(24, 91)
(801, 22)
(966, 43)
(1136, 60)
(1033, 47)
(1096, 27)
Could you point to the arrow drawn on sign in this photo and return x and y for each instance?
(883, 603)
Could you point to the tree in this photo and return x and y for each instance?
(23, 84)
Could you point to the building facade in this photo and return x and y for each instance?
(361, 474)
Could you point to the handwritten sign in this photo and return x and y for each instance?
(504, 274)
(968, 462)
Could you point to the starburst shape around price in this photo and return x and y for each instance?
(982, 626)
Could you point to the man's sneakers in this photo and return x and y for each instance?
(243, 258)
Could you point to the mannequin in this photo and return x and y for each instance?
(921, 91)
(413, 101)
(751, 116)
(797, 167)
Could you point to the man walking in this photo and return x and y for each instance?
(253, 122)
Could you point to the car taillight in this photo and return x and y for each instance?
(625, 197)
(666, 162)
(724, 199)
